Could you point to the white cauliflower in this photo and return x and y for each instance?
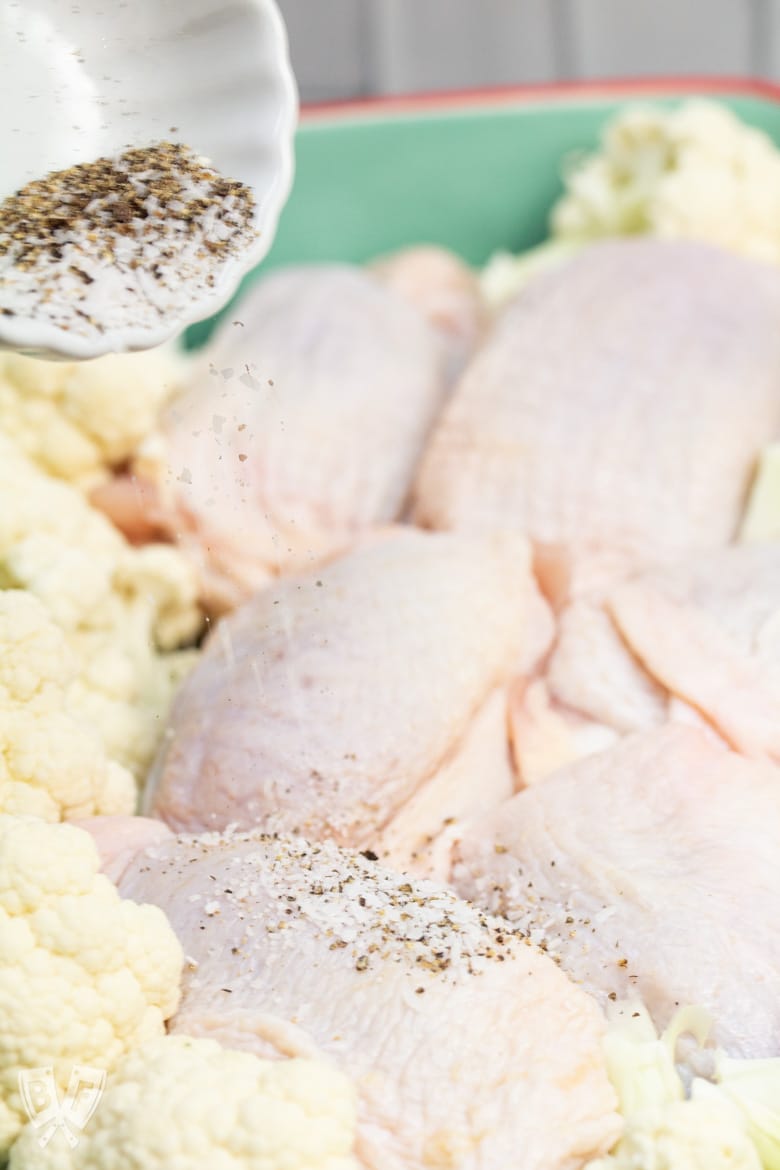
(686, 1135)
(752, 1089)
(761, 521)
(184, 1104)
(694, 172)
(85, 976)
(52, 765)
(78, 419)
(664, 1129)
(120, 608)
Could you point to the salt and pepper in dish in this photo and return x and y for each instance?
(143, 214)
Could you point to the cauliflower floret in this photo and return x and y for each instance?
(51, 765)
(761, 520)
(120, 608)
(752, 1089)
(686, 1135)
(184, 1104)
(694, 172)
(664, 1130)
(85, 976)
(78, 419)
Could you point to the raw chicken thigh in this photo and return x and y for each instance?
(301, 431)
(617, 410)
(330, 701)
(708, 633)
(445, 290)
(652, 870)
(467, 1047)
(694, 641)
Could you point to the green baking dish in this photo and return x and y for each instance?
(474, 171)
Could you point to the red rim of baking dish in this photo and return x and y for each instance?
(448, 100)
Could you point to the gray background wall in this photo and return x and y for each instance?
(351, 48)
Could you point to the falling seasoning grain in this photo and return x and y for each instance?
(121, 243)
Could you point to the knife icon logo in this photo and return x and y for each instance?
(38, 1090)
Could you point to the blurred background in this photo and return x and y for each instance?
(354, 48)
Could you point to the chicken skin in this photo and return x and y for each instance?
(301, 429)
(331, 700)
(650, 869)
(616, 412)
(296, 950)
(694, 641)
(447, 293)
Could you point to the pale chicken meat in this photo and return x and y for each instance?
(301, 429)
(695, 641)
(649, 870)
(300, 950)
(708, 633)
(119, 839)
(479, 774)
(544, 734)
(331, 700)
(447, 293)
(616, 412)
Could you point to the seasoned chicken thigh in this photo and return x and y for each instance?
(468, 1048)
(330, 701)
(617, 410)
(301, 429)
(650, 869)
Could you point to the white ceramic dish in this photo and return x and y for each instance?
(85, 78)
